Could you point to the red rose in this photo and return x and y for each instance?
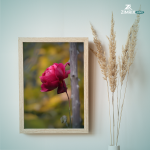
(53, 77)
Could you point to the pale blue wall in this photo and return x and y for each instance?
(70, 18)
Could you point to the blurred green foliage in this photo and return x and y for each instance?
(44, 109)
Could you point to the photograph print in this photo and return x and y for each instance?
(52, 77)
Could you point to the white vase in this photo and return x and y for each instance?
(113, 147)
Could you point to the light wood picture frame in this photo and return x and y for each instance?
(39, 109)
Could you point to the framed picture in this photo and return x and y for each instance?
(53, 85)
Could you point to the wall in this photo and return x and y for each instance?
(68, 18)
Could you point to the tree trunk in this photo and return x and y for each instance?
(74, 86)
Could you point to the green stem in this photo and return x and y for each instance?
(69, 104)
(69, 108)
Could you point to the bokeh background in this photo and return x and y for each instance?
(70, 18)
(44, 109)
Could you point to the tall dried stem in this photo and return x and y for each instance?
(109, 112)
(128, 55)
(121, 110)
(117, 107)
(112, 67)
(113, 119)
(100, 54)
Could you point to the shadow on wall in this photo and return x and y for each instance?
(92, 82)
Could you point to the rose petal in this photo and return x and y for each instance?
(43, 88)
(55, 65)
(66, 73)
(43, 74)
(50, 78)
(51, 85)
(67, 64)
(60, 71)
(50, 70)
(61, 87)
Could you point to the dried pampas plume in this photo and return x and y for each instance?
(128, 53)
(100, 54)
(112, 71)
(132, 41)
(123, 61)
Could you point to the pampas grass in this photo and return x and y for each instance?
(116, 71)
(100, 54)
